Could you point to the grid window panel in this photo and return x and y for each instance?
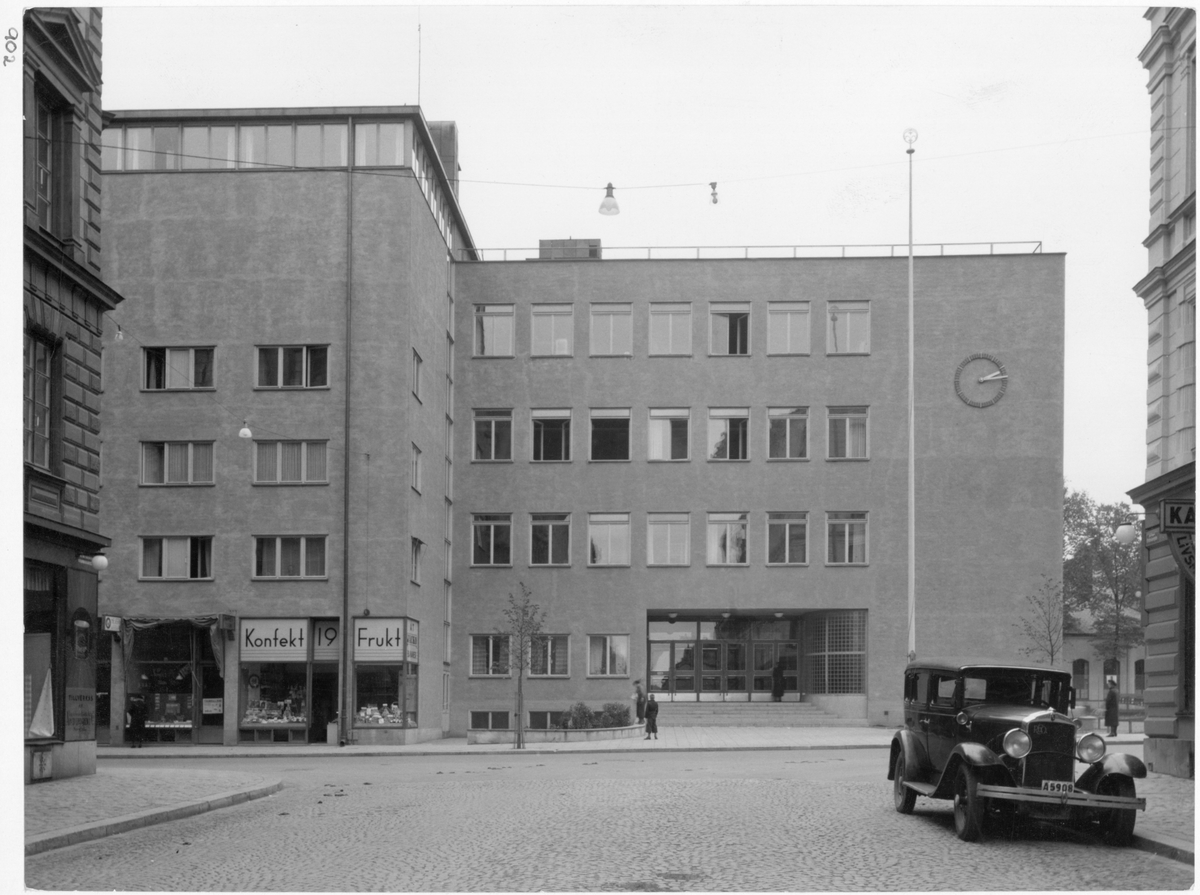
(787, 538)
(493, 330)
(493, 435)
(670, 328)
(553, 330)
(177, 463)
(848, 433)
(289, 462)
(847, 538)
(612, 330)
(38, 366)
(849, 327)
(608, 539)
(293, 366)
(727, 539)
(608, 655)
(491, 542)
(668, 433)
(550, 539)
(729, 327)
(787, 433)
(668, 539)
(548, 655)
(489, 654)
(289, 556)
(551, 435)
(788, 327)
(835, 651)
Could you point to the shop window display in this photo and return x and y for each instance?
(275, 694)
(386, 695)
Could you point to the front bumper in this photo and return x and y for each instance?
(1077, 798)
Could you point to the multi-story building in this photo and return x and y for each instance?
(64, 300)
(1168, 292)
(697, 467)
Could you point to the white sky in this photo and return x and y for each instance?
(1033, 122)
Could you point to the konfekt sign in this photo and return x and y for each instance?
(274, 640)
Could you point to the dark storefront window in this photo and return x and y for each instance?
(43, 674)
(386, 695)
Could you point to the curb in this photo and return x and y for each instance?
(1164, 849)
(44, 842)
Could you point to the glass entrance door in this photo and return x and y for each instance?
(723, 671)
(673, 667)
(766, 656)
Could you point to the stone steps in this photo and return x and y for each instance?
(751, 714)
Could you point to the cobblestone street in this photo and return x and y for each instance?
(816, 821)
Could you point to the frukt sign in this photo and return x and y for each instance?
(385, 640)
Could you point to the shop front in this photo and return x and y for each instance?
(287, 679)
(386, 666)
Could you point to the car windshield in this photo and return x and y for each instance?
(1012, 688)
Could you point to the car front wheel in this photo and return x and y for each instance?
(1117, 823)
(968, 805)
(903, 797)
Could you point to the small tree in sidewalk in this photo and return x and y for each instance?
(524, 623)
(1042, 622)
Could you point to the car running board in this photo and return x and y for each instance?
(924, 789)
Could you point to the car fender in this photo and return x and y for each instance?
(1113, 763)
(974, 754)
(915, 759)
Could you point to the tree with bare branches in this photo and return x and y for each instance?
(524, 621)
(1042, 621)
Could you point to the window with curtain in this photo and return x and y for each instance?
(548, 655)
(729, 433)
(178, 368)
(551, 435)
(553, 330)
(608, 655)
(493, 330)
(670, 328)
(608, 539)
(847, 537)
(177, 463)
(489, 654)
(177, 557)
(787, 538)
(668, 433)
(849, 328)
(379, 144)
(787, 327)
(668, 537)
(550, 539)
(293, 366)
(493, 435)
(729, 324)
(38, 394)
(612, 330)
(491, 539)
(727, 539)
(290, 462)
(289, 556)
(848, 433)
(787, 433)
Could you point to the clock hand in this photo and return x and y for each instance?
(992, 377)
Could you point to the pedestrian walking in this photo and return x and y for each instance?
(777, 681)
(136, 718)
(651, 717)
(1112, 709)
(639, 701)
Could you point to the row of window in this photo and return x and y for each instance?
(275, 463)
(278, 366)
(552, 329)
(275, 556)
(669, 434)
(669, 539)
(608, 655)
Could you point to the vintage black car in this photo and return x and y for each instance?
(995, 737)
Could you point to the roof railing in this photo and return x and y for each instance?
(658, 253)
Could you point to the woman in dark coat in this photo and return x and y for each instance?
(639, 699)
(652, 717)
(1111, 710)
(137, 721)
(777, 681)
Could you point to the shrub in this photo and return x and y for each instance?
(614, 714)
(578, 716)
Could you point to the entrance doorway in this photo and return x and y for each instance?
(725, 659)
(324, 701)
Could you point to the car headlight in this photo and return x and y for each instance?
(1090, 748)
(1017, 743)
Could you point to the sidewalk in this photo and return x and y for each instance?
(121, 797)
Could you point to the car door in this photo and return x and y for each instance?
(941, 728)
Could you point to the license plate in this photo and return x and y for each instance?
(1062, 787)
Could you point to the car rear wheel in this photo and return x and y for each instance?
(1116, 824)
(968, 805)
(903, 797)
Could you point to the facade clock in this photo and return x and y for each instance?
(980, 380)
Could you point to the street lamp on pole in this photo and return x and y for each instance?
(910, 137)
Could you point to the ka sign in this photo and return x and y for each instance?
(274, 640)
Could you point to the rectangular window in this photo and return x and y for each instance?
(415, 469)
(847, 433)
(849, 330)
(491, 537)
(489, 654)
(493, 435)
(847, 536)
(547, 720)
(727, 539)
(612, 330)
(553, 330)
(181, 558)
(729, 433)
(379, 144)
(489, 720)
(208, 148)
(787, 327)
(668, 433)
(416, 375)
(668, 539)
(321, 145)
(493, 330)
(608, 655)
(293, 366)
(787, 433)
(289, 557)
(551, 435)
(139, 149)
(729, 328)
(550, 539)
(289, 462)
(168, 368)
(415, 560)
(608, 539)
(51, 172)
(787, 539)
(670, 328)
(177, 462)
(610, 434)
(548, 656)
(39, 364)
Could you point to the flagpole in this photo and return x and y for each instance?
(910, 137)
